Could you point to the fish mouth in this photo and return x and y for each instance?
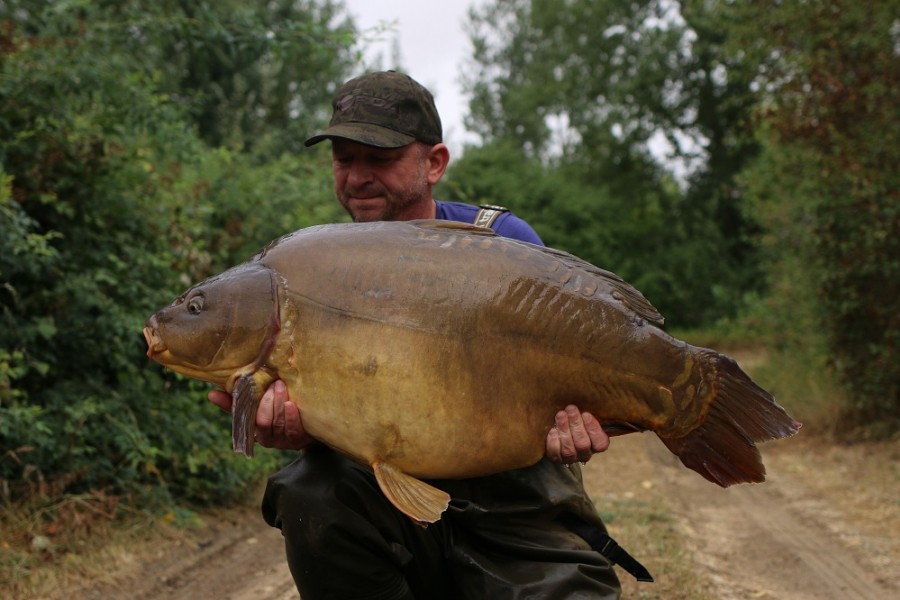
(155, 345)
(159, 351)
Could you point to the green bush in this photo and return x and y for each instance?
(111, 205)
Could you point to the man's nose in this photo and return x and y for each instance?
(358, 173)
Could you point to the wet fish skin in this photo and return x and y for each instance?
(398, 341)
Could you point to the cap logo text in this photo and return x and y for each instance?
(350, 102)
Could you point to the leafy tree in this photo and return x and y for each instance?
(249, 74)
(830, 84)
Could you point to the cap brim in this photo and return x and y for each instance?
(364, 133)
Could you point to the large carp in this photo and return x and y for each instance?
(433, 349)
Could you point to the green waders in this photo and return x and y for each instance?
(509, 536)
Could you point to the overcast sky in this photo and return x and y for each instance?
(432, 49)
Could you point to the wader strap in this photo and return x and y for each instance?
(487, 214)
(618, 555)
(605, 545)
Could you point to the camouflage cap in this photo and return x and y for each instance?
(385, 109)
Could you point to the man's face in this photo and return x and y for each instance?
(381, 184)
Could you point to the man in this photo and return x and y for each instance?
(528, 533)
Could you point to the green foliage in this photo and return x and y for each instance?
(258, 202)
(248, 75)
(603, 68)
(111, 203)
(827, 189)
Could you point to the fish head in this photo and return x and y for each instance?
(220, 328)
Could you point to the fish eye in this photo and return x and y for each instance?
(195, 305)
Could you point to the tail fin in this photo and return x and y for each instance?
(723, 448)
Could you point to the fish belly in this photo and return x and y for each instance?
(416, 402)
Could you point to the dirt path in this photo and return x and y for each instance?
(776, 540)
(821, 528)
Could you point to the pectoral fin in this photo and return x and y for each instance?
(245, 396)
(413, 497)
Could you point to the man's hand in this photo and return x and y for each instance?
(576, 437)
(277, 418)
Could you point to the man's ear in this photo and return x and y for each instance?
(438, 159)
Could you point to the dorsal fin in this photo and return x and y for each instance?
(452, 225)
(618, 288)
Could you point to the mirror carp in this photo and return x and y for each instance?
(434, 349)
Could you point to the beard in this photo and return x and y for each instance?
(374, 202)
(386, 207)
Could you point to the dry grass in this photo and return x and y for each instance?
(59, 546)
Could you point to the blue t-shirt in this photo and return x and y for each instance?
(507, 224)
